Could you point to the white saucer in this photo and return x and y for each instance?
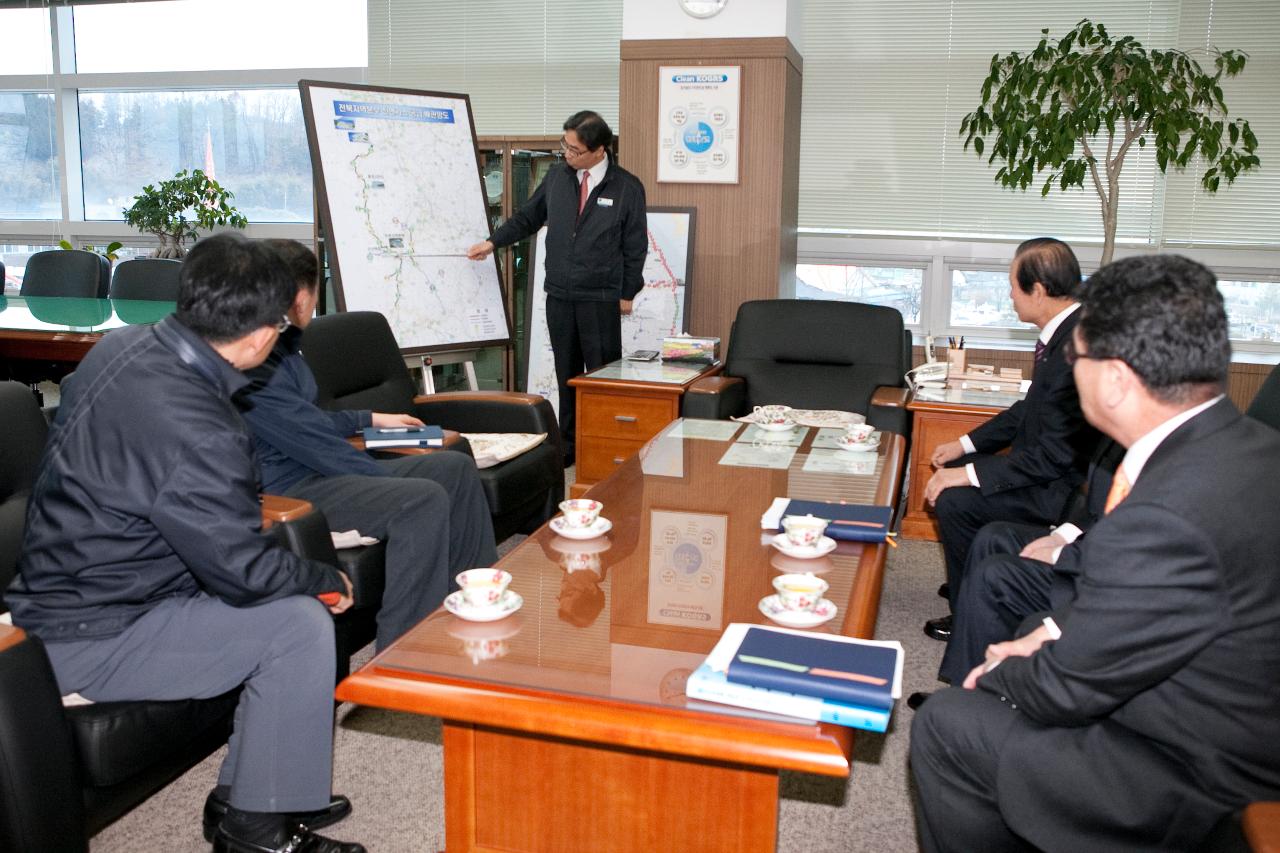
(600, 528)
(770, 606)
(825, 546)
(777, 427)
(508, 604)
(863, 447)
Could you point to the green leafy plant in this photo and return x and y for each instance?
(109, 252)
(1053, 108)
(177, 209)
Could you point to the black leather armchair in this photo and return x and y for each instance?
(146, 278)
(358, 365)
(1266, 403)
(811, 354)
(62, 272)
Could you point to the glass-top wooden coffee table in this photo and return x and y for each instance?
(566, 727)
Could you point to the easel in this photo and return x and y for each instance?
(467, 358)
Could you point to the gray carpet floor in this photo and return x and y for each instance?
(389, 764)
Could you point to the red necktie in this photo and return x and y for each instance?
(582, 194)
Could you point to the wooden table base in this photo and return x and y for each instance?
(592, 797)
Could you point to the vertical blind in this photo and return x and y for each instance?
(886, 86)
(527, 64)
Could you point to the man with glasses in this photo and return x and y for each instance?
(144, 567)
(1144, 712)
(597, 239)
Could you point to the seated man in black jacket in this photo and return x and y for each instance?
(430, 509)
(144, 567)
(1046, 435)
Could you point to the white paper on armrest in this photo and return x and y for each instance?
(772, 518)
(6, 618)
(350, 539)
(490, 448)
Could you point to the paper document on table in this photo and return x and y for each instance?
(700, 428)
(745, 455)
(841, 462)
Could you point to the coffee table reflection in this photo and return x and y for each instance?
(578, 736)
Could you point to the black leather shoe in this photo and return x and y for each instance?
(215, 809)
(944, 591)
(915, 700)
(939, 629)
(294, 838)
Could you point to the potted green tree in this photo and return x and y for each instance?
(176, 209)
(1068, 101)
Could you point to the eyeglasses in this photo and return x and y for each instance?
(284, 324)
(1070, 354)
(565, 148)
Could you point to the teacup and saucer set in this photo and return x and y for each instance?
(581, 519)
(859, 438)
(483, 596)
(802, 537)
(774, 418)
(798, 602)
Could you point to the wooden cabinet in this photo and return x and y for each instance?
(620, 407)
(936, 422)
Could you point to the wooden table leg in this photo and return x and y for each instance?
(507, 791)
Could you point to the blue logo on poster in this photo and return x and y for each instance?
(698, 137)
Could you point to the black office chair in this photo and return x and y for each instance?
(67, 272)
(811, 354)
(358, 365)
(146, 278)
(1266, 403)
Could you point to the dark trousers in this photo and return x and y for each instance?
(956, 739)
(584, 336)
(279, 758)
(963, 510)
(434, 517)
(998, 591)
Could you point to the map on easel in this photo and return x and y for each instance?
(400, 198)
(659, 310)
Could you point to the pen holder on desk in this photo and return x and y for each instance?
(956, 358)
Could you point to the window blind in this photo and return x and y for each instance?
(886, 86)
(526, 65)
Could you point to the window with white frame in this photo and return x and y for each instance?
(1253, 308)
(896, 287)
(29, 177)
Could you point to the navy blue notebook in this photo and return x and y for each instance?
(423, 436)
(813, 666)
(859, 522)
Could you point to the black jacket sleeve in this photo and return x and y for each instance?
(635, 243)
(531, 216)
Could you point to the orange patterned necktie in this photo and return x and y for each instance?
(1119, 490)
(583, 192)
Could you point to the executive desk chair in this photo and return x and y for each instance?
(63, 272)
(153, 279)
(357, 364)
(811, 354)
(1266, 403)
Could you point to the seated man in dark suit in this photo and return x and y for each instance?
(1146, 710)
(1046, 436)
(430, 509)
(144, 567)
(1011, 570)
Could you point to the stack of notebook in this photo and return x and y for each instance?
(801, 674)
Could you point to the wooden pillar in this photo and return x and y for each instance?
(745, 241)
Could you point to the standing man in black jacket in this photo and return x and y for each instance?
(597, 239)
(144, 567)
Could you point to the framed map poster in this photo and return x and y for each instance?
(698, 124)
(400, 196)
(660, 309)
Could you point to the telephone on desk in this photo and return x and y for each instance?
(931, 374)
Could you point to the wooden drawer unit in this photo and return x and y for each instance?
(620, 407)
(624, 416)
(934, 423)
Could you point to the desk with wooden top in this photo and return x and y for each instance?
(63, 329)
(565, 724)
(939, 417)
